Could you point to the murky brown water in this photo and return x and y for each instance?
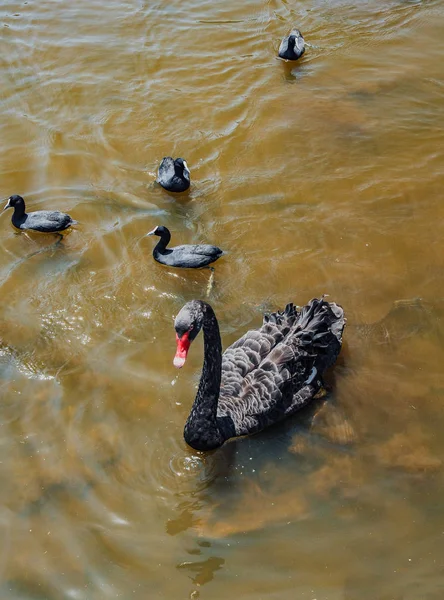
(324, 176)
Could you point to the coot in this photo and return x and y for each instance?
(293, 46)
(187, 256)
(174, 175)
(43, 221)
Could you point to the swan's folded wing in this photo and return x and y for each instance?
(251, 349)
(289, 374)
(244, 356)
(266, 394)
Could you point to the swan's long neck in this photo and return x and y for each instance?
(201, 429)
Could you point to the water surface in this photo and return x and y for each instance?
(325, 176)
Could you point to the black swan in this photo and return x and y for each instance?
(293, 46)
(187, 256)
(268, 374)
(174, 175)
(43, 221)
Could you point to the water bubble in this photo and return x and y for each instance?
(193, 468)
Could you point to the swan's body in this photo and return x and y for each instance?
(43, 221)
(268, 374)
(174, 175)
(293, 46)
(188, 256)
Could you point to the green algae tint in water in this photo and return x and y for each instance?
(323, 176)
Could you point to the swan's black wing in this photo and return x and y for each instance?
(247, 352)
(272, 372)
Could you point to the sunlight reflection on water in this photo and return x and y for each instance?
(323, 176)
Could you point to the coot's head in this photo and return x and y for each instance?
(181, 168)
(297, 40)
(160, 230)
(187, 324)
(14, 201)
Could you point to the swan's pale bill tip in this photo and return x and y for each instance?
(7, 205)
(179, 361)
(183, 345)
(153, 232)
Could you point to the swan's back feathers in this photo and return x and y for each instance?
(247, 353)
(249, 350)
(319, 329)
(271, 372)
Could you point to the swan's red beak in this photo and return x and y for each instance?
(183, 344)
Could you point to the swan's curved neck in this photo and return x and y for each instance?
(201, 429)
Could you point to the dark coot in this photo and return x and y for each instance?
(187, 256)
(43, 221)
(174, 175)
(293, 46)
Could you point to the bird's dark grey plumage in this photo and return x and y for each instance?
(174, 175)
(187, 256)
(268, 374)
(43, 221)
(293, 46)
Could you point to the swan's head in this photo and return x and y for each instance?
(187, 324)
(181, 169)
(13, 201)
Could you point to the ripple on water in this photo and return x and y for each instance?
(324, 176)
(195, 471)
(169, 467)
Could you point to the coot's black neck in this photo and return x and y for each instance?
(19, 209)
(19, 215)
(164, 241)
(292, 44)
(179, 171)
(201, 429)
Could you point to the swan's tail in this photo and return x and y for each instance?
(284, 318)
(320, 327)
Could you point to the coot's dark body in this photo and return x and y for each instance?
(43, 221)
(174, 175)
(187, 256)
(293, 46)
